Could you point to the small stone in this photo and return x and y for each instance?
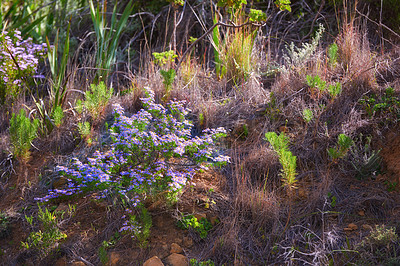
(177, 260)
(366, 227)
(187, 242)
(114, 259)
(153, 261)
(351, 227)
(175, 248)
(361, 213)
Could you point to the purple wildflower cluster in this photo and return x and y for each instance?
(18, 59)
(151, 152)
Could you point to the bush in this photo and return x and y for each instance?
(18, 60)
(380, 247)
(22, 132)
(202, 226)
(47, 238)
(97, 99)
(286, 158)
(152, 152)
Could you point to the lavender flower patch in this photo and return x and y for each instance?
(151, 152)
(18, 60)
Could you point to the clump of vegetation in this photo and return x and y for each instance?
(280, 144)
(85, 131)
(4, 225)
(102, 251)
(386, 106)
(46, 239)
(22, 132)
(202, 226)
(227, 60)
(18, 64)
(298, 56)
(138, 226)
(380, 246)
(147, 157)
(165, 60)
(344, 144)
(97, 99)
(194, 262)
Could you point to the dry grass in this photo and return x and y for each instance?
(260, 223)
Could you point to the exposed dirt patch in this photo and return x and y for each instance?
(391, 158)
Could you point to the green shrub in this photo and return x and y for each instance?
(380, 247)
(47, 238)
(97, 99)
(335, 90)
(164, 58)
(386, 106)
(316, 82)
(22, 132)
(138, 226)
(333, 54)
(342, 147)
(194, 262)
(165, 61)
(202, 226)
(85, 131)
(364, 159)
(103, 256)
(308, 115)
(286, 158)
(58, 116)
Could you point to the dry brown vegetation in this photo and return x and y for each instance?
(261, 221)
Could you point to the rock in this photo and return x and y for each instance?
(115, 258)
(366, 227)
(351, 227)
(187, 242)
(177, 260)
(361, 213)
(175, 248)
(153, 261)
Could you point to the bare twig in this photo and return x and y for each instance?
(380, 24)
(313, 22)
